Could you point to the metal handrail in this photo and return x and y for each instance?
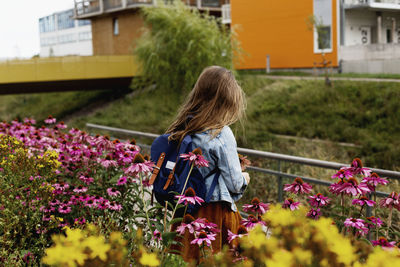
(257, 153)
(275, 156)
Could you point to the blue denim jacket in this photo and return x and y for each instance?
(221, 152)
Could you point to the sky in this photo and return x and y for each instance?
(19, 25)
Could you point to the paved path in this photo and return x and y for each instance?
(278, 77)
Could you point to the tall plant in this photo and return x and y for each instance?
(178, 43)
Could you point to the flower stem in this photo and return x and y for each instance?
(183, 190)
(389, 223)
(144, 201)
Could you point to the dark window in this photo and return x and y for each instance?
(115, 26)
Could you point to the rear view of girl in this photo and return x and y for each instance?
(215, 102)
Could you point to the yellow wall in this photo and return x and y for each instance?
(67, 68)
(278, 28)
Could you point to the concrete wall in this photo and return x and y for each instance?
(105, 42)
(371, 66)
(370, 52)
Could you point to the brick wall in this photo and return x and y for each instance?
(105, 42)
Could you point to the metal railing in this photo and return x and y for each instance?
(279, 174)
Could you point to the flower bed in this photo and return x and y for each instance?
(65, 192)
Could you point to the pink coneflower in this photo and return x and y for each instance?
(157, 235)
(318, 200)
(256, 206)
(358, 224)
(186, 224)
(204, 239)
(112, 192)
(114, 206)
(46, 217)
(252, 221)
(54, 202)
(241, 231)
(392, 201)
(80, 220)
(50, 120)
(314, 213)
(363, 200)
(195, 157)
(291, 204)
(64, 209)
(103, 204)
(61, 125)
(90, 203)
(352, 187)
(298, 187)
(139, 165)
(122, 180)
(244, 162)
(209, 227)
(29, 120)
(189, 197)
(80, 189)
(374, 180)
(86, 179)
(108, 162)
(336, 187)
(342, 173)
(384, 243)
(354, 222)
(356, 167)
(61, 186)
(47, 209)
(374, 222)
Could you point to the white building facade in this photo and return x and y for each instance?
(370, 36)
(62, 35)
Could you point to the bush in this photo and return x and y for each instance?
(179, 43)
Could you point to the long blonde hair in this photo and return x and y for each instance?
(215, 101)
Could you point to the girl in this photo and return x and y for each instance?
(215, 102)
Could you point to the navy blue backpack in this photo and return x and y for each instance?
(169, 174)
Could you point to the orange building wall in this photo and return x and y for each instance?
(278, 28)
(104, 40)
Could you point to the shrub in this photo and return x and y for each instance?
(179, 43)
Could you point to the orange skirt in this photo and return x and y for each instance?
(219, 213)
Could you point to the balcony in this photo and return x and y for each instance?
(377, 5)
(90, 8)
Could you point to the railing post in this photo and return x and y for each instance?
(280, 183)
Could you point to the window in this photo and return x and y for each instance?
(84, 36)
(389, 36)
(115, 26)
(323, 26)
(47, 24)
(65, 20)
(83, 22)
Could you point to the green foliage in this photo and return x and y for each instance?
(179, 43)
(59, 105)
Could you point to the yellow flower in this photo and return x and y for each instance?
(149, 259)
(280, 258)
(61, 255)
(256, 238)
(328, 234)
(116, 237)
(75, 236)
(97, 246)
(382, 258)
